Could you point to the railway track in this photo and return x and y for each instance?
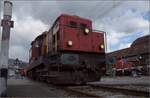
(123, 90)
(105, 92)
(100, 91)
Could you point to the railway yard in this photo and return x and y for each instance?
(72, 59)
(119, 87)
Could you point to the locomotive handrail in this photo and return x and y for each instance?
(98, 31)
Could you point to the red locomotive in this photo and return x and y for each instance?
(70, 52)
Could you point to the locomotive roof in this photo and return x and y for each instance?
(39, 37)
(67, 15)
(62, 15)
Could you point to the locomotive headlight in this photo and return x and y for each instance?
(69, 43)
(86, 30)
(102, 46)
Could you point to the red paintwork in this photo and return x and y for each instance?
(97, 40)
(84, 49)
(122, 64)
(23, 72)
(35, 52)
(81, 41)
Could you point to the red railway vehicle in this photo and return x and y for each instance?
(123, 67)
(70, 52)
(23, 72)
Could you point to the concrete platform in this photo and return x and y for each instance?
(143, 80)
(28, 88)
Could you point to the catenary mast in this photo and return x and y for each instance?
(6, 24)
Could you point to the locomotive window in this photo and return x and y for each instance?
(53, 39)
(58, 35)
(83, 26)
(56, 28)
(73, 24)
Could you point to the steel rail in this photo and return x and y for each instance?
(122, 90)
(82, 93)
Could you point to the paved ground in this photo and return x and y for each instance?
(143, 80)
(28, 88)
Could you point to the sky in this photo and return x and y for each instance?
(123, 21)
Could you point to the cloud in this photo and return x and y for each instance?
(124, 45)
(147, 15)
(119, 19)
(22, 34)
(33, 17)
(47, 11)
(124, 21)
(17, 51)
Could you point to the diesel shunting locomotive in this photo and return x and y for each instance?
(69, 52)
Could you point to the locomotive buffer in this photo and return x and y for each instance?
(6, 24)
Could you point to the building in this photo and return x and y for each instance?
(15, 67)
(138, 53)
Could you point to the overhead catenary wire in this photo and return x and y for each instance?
(91, 13)
(101, 15)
